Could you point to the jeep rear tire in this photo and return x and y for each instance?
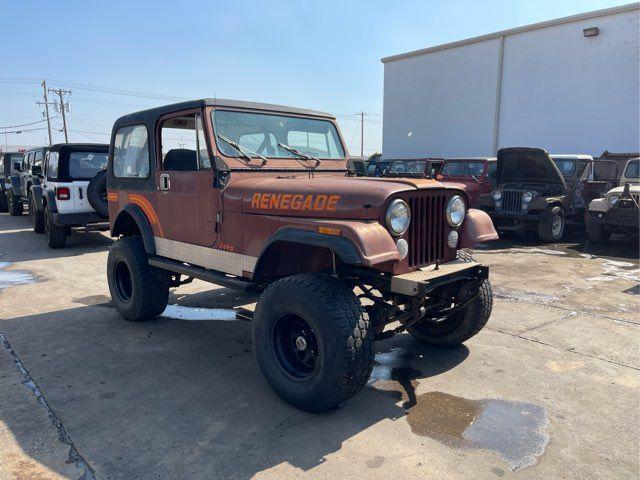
(551, 225)
(3, 201)
(36, 216)
(460, 326)
(55, 234)
(14, 205)
(313, 341)
(138, 290)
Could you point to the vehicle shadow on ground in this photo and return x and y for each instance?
(185, 399)
(19, 246)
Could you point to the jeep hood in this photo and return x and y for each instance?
(321, 196)
(523, 164)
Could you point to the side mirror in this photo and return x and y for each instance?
(18, 167)
(36, 170)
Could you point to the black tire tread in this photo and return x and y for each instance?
(38, 216)
(152, 282)
(475, 317)
(15, 208)
(55, 235)
(544, 225)
(352, 322)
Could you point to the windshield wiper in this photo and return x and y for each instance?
(299, 153)
(242, 150)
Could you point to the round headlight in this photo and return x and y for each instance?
(497, 194)
(455, 211)
(398, 217)
(613, 199)
(527, 197)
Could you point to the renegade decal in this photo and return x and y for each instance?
(290, 201)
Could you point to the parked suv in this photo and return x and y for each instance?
(617, 211)
(477, 174)
(255, 196)
(72, 193)
(539, 193)
(10, 164)
(20, 183)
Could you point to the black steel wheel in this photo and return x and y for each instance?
(296, 345)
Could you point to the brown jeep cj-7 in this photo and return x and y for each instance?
(249, 195)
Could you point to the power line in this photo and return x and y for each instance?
(30, 123)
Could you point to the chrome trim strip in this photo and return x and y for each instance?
(211, 258)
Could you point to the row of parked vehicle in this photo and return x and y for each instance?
(262, 197)
(526, 189)
(63, 187)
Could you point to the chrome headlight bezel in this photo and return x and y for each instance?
(496, 195)
(389, 217)
(613, 199)
(527, 197)
(461, 213)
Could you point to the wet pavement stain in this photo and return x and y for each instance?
(513, 430)
(9, 278)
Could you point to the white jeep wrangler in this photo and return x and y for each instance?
(72, 193)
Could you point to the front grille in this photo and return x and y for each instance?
(427, 228)
(512, 200)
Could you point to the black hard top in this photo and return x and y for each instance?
(80, 146)
(150, 116)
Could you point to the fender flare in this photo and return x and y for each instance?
(341, 246)
(51, 201)
(143, 226)
(36, 193)
(15, 185)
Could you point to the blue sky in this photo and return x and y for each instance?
(323, 55)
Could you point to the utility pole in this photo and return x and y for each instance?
(60, 93)
(362, 114)
(46, 108)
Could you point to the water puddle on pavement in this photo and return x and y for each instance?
(9, 278)
(513, 430)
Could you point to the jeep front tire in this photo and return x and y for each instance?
(313, 341)
(3, 201)
(551, 225)
(138, 290)
(461, 325)
(37, 216)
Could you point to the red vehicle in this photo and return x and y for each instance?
(477, 174)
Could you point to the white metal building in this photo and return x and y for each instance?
(570, 85)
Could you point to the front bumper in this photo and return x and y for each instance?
(617, 218)
(82, 219)
(513, 220)
(421, 282)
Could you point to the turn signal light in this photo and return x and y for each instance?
(329, 231)
(63, 193)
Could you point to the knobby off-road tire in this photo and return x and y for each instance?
(138, 290)
(14, 205)
(596, 232)
(56, 235)
(336, 331)
(36, 216)
(461, 325)
(3, 201)
(548, 230)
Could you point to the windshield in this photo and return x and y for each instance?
(85, 165)
(269, 135)
(462, 169)
(633, 169)
(399, 167)
(567, 167)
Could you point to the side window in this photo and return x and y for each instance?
(25, 162)
(131, 152)
(52, 165)
(183, 144)
(37, 159)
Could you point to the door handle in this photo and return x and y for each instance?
(165, 181)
